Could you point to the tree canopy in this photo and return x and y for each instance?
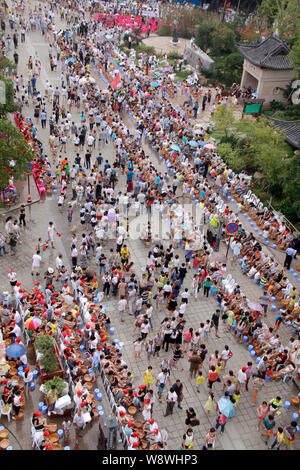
(15, 153)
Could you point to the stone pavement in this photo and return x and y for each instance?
(241, 431)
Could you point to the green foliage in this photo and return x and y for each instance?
(223, 40)
(204, 36)
(283, 14)
(286, 113)
(174, 55)
(12, 147)
(223, 118)
(294, 55)
(276, 105)
(231, 156)
(182, 75)
(45, 345)
(264, 150)
(59, 383)
(9, 106)
(142, 48)
(136, 37)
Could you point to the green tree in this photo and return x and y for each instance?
(223, 40)
(294, 55)
(224, 119)
(282, 14)
(204, 36)
(13, 148)
(267, 146)
(7, 104)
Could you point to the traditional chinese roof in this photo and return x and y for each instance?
(269, 54)
(291, 129)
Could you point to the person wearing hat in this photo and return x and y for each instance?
(27, 376)
(128, 428)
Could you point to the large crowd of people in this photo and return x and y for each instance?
(71, 306)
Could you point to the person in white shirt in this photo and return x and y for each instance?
(171, 400)
(51, 230)
(36, 263)
(122, 304)
(241, 378)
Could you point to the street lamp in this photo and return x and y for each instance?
(175, 38)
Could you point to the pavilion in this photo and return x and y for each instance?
(267, 69)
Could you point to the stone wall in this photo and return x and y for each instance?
(194, 55)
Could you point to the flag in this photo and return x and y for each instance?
(115, 81)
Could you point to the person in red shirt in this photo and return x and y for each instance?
(213, 376)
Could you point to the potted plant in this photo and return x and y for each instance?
(61, 386)
(48, 362)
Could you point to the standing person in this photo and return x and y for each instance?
(51, 398)
(289, 432)
(249, 373)
(221, 421)
(264, 301)
(161, 382)
(209, 403)
(79, 424)
(215, 322)
(178, 388)
(262, 411)
(241, 378)
(171, 400)
(36, 263)
(207, 285)
(148, 377)
(268, 426)
(122, 307)
(51, 230)
(204, 100)
(22, 216)
(289, 254)
(257, 384)
(2, 244)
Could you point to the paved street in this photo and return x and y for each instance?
(240, 431)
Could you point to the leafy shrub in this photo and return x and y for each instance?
(174, 55)
(59, 383)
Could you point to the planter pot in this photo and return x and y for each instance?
(49, 375)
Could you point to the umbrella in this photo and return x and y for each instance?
(210, 146)
(219, 257)
(256, 95)
(226, 407)
(154, 84)
(202, 143)
(193, 143)
(15, 350)
(71, 60)
(255, 306)
(197, 131)
(33, 323)
(175, 147)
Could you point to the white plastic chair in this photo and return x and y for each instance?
(37, 437)
(226, 280)
(5, 413)
(230, 287)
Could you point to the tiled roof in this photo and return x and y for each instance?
(291, 129)
(269, 54)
